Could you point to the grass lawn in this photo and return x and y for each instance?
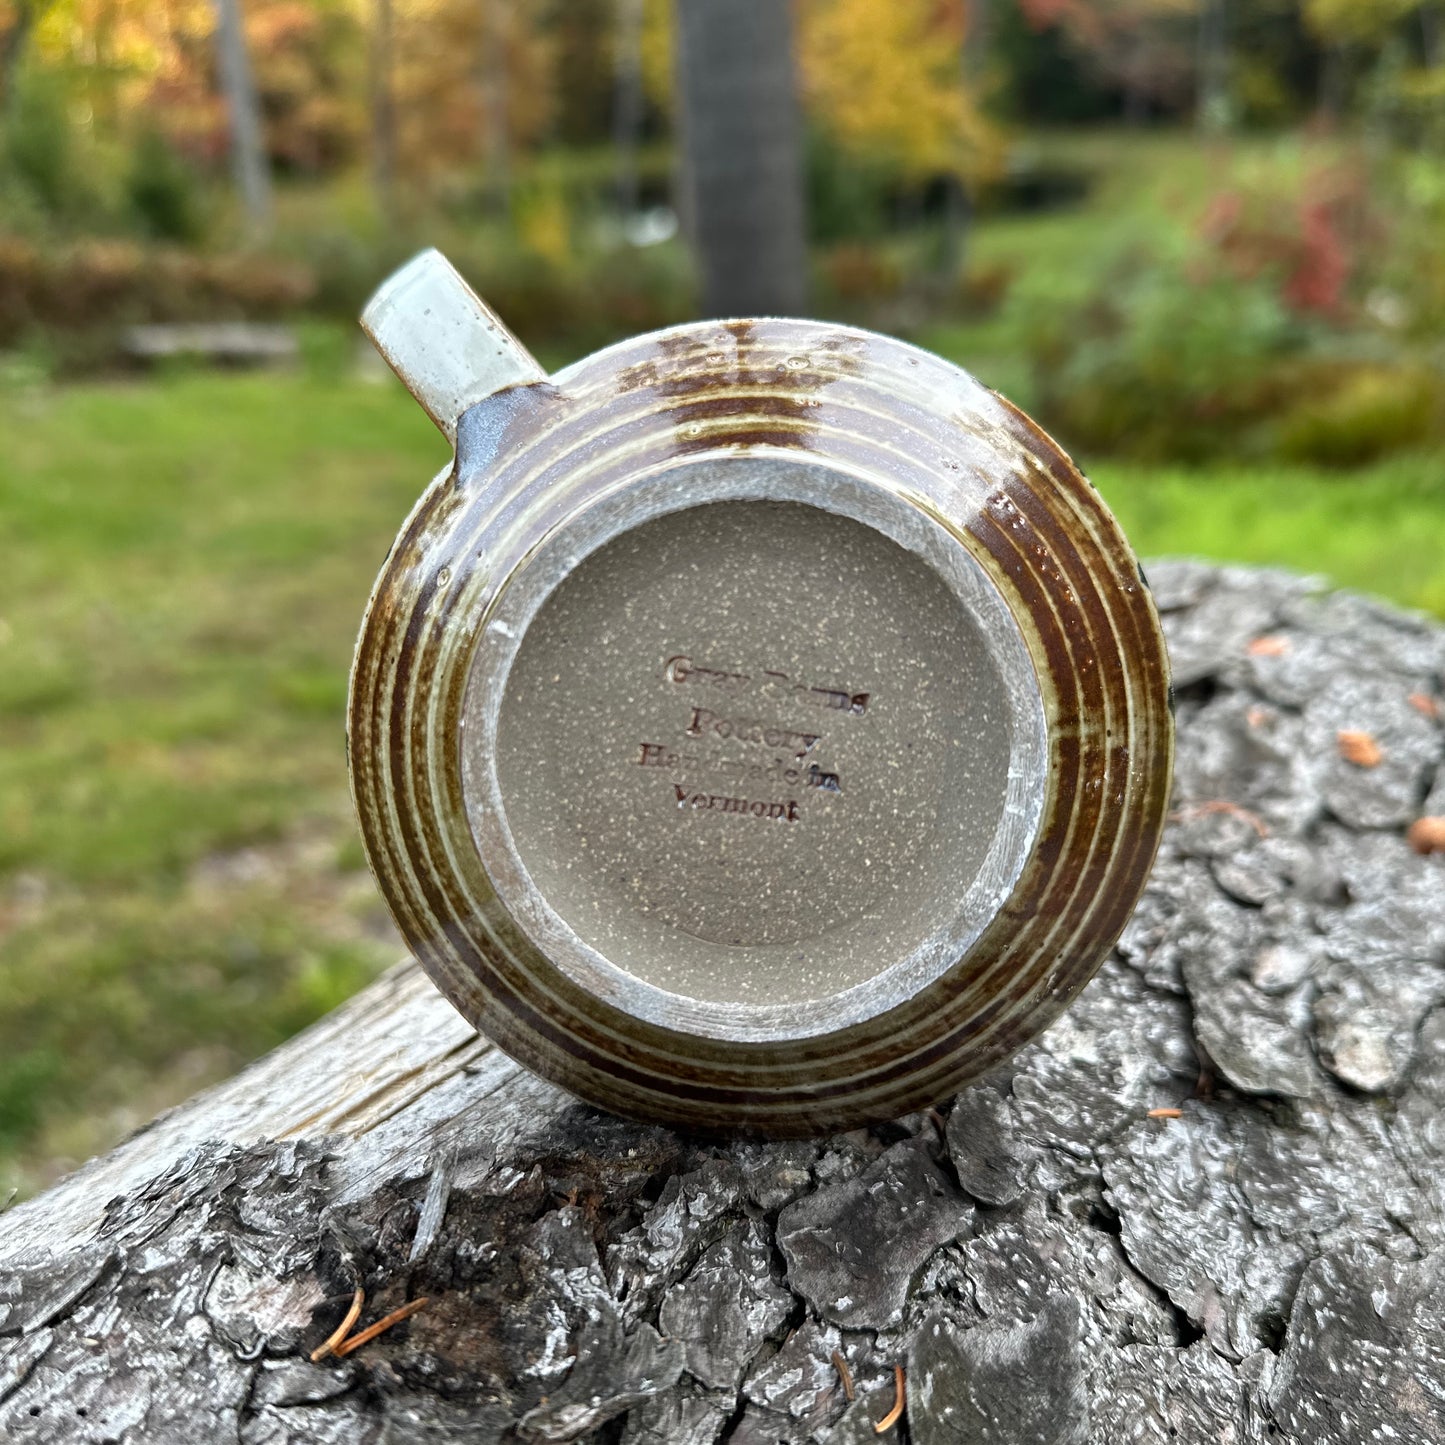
(185, 565)
(180, 887)
(1379, 529)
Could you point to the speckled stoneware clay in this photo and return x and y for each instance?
(762, 727)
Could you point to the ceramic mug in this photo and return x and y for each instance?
(761, 727)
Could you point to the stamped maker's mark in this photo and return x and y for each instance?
(777, 812)
(771, 683)
(702, 756)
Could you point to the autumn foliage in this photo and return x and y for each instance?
(888, 81)
(1311, 244)
(884, 78)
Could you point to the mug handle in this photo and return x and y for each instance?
(449, 347)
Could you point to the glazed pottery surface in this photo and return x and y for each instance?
(762, 727)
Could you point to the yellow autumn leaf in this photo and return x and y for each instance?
(886, 79)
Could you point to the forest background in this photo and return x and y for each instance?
(1200, 239)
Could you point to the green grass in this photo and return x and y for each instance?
(185, 566)
(1379, 529)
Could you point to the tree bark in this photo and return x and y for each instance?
(742, 134)
(248, 147)
(1049, 1258)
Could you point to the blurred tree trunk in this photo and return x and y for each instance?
(383, 113)
(248, 151)
(12, 47)
(1333, 83)
(1136, 102)
(957, 200)
(627, 102)
(957, 219)
(683, 191)
(1430, 37)
(1212, 87)
(741, 133)
(498, 140)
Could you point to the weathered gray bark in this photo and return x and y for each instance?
(248, 147)
(741, 132)
(1045, 1261)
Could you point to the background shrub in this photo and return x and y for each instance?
(164, 193)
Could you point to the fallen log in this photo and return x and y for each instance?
(1207, 1205)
